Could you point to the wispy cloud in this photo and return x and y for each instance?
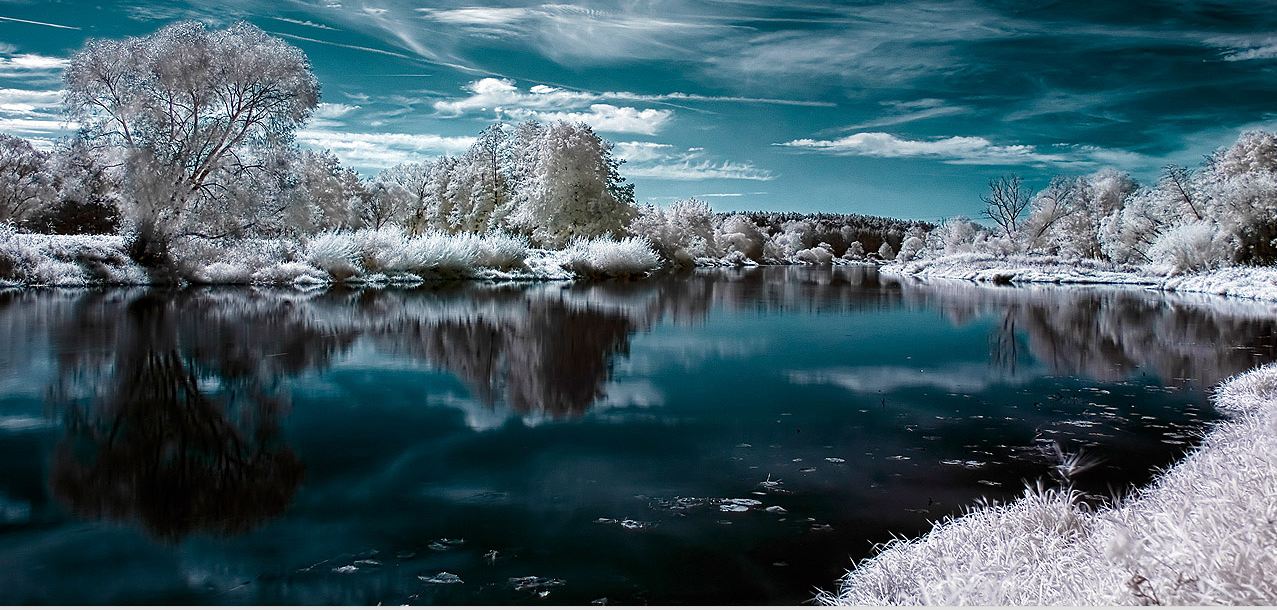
(42, 23)
(304, 22)
(29, 64)
(33, 113)
(665, 162)
(381, 150)
(900, 113)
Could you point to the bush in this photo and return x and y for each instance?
(334, 253)
(501, 251)
(1190, 247)
(440, 254)
(604, 257)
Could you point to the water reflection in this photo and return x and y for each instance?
(171, 407)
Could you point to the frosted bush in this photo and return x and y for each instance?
(604, 257)
(290, 273)
(822, 254)
(501, 251)
(381, 249)
(440, 253)
(1190, 247)
(740, 234)
(886, 252)
(17, 262)
(334, 253)
(223, 273)
(910, 249)
(855, 251)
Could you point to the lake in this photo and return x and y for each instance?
(726, 436)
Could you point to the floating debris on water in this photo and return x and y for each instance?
(822, 527)
(602, 601)
(442, 578)
(743, 446)
(349, 569)
(629, 524)
(808, 470)
(776, 510)
(835, 460)
(525, 583)
(491, 556)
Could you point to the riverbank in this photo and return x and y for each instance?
(1201, 534)
(1259, 283)
(365, 257)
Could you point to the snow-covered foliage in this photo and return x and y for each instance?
(26, 182)
(1223, 213)
(571, 187)
(681, 234)
(194, 113)
(605, 257)
(1202, 534)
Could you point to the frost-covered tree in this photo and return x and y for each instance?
(487, 167)
(26, 182)
(740, 234)
(188, 104)
(328, 194)
(386, 203)
(414, 179)
(88, 197)
(886, 252)
(680, 234)
(570, 186)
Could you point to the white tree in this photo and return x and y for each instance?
(189, 103)
(681, 234)
(414, 178)
(571, 188)
(26, 182)
(329, 195)
(886, 252)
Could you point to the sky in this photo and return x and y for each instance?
(901, 109)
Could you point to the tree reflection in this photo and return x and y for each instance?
(176, 433)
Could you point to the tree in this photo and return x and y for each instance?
(1005, 203)
(25, 180)
(188, 105)
(571, 186)
(385, 203)
(414, 179)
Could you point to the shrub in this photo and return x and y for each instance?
(501, 251)
(1190, 247)
(604, 257)
(334, 253)
(440, 254)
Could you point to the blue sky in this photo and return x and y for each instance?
(903, 109)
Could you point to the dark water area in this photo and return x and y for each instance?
(723, 437)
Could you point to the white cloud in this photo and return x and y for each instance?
(664, 162)
(605, 117)
(381, 150)
(25, 64)
(33, 114)
(967, 150)
(545, 103)
(955, 149)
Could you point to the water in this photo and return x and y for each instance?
(725, 437)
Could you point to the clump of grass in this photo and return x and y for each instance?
(335, 253)
(605, 257)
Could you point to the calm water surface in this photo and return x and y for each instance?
(725, 437)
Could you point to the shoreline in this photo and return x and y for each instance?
(1200, 534)
(1253, 283)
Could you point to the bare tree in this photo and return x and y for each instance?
(1005, 203)
(1179, 180)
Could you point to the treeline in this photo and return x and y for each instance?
(1223, 212)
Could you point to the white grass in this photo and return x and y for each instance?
(337, 254)
(65, 260)
(1202, 533)
(604, 257)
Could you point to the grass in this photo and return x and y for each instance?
(1201, 534)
